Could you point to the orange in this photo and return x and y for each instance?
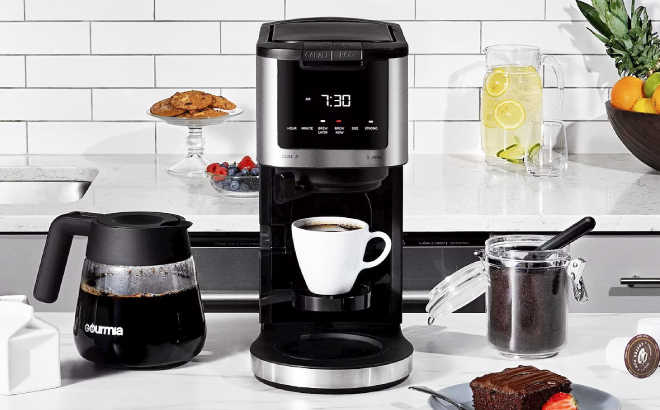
(626, 92)
(656, 100)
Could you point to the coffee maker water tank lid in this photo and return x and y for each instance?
(286, 39)
(139, 220)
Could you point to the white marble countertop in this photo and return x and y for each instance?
(443, 193)
(453, 352)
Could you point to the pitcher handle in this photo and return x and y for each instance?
(559, 73)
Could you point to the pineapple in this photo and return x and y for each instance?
(630, 40)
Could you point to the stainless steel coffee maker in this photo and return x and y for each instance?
(332, 122)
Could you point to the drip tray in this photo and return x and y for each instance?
(331, 346)
(358, 298)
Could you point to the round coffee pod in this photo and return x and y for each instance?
(642, 356)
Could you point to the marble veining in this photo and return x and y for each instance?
(452, 351)
(443, 193)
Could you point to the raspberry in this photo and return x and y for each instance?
(246, 163)
(213, 168)
(220, 171)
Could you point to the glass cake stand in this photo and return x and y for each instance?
(195, 163)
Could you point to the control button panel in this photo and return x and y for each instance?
(335, 51)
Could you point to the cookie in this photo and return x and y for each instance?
(165, 109)
(191, 100)
(222, 103)
(208, 113)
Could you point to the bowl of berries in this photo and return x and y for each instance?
(237, 179)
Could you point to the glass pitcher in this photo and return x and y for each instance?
(512, 100)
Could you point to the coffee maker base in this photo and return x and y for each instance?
(331, 381)
(335, 360)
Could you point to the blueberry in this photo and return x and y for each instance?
(223, 165)
(234, 185)
(231, 172)
(244, 187)
(245, 172)
(233, 166)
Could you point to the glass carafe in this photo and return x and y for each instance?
(512, 100)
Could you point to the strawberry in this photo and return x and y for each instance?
(561, 401)
(246, 163)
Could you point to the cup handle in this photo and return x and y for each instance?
(556, 67)
(386, 251)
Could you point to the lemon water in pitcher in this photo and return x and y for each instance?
(512, 100)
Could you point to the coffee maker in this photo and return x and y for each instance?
(332, 139)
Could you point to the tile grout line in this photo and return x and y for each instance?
(91, 100)
(154, 71)
(27, 143)
(24, 13)
(155, 138)
(90, 38)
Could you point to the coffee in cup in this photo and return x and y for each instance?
(330, 252)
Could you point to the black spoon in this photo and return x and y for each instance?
(575, 231)
(565, 238)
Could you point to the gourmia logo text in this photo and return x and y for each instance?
(104, 330)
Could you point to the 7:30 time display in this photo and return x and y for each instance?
(337, 100)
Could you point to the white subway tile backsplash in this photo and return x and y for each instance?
(567, 9)
(11, 10)
(230, 137)
(239, 37)
(579, 104)
(91, 138)
(13, 71)
(45, 104)
(449, 70)
(13, 138)
(44, 38)
(246, 98)
(552, 37)
(432, 37)
(209, 71)
(585, 71)
(90, 71)
(130, 104)
(596, 137)
(155, 38)
(219, 10)
(480, 10)
(443, 104)
(92, 68)
(368, 9)
(448, 137)
(97, 10)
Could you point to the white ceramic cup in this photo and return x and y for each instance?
(331, 261)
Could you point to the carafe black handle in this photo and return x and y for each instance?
(56, 252)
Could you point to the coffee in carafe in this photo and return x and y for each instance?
(139, 304)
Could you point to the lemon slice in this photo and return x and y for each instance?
(497, 83)
(509, 114)
(513, 153)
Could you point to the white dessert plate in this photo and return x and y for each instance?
(199, 122)
(587, 397)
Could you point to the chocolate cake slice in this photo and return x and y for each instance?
(518, 388)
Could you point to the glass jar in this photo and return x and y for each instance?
(526, 294)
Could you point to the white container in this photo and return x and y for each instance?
(29, 349)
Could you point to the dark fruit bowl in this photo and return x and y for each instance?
(236, 186)
(639, 132)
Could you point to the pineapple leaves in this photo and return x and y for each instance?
(592, 15)
(598, 36)
(629, 40)
(618, 10)
(619, 28)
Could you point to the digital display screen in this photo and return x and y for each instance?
(334, 108)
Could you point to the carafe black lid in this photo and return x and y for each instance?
(138, 239)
